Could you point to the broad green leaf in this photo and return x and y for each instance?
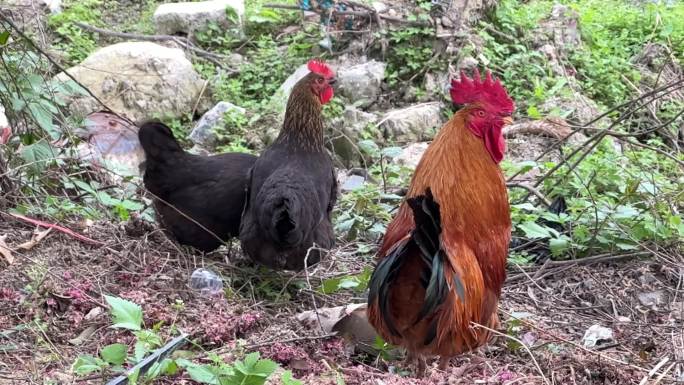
(533, 230)
(125, 314)
(44, 119)
(533, 112)
(205, 374)
(87, 364)
(115, 354)
(264, 367)
(391, 152)
(4, 37)
(526, 166)
(559, 245)
(369, 147)
(38, 155)
(288, 379)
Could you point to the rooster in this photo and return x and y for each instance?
(292, 187)
(442, 261)
(198, 199)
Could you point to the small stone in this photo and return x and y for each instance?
(203, 134)
(652, 299)
(353, 182)
(596, 334)
(379, 7)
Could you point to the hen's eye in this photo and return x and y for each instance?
(319, 80)
(481, 113)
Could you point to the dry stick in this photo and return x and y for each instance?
(534, 360)
(654, 370)
(532, 190)
(296, 339)
(53, 62)
(177, 39)
(678, 83)
(418, 23)
(64, 230)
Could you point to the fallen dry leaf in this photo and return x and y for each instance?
(5, 251)
(35, 239)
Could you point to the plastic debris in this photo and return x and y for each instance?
(206, 282)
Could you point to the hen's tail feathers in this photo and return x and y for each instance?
(426, 237)
(285, 215)
(157, 140)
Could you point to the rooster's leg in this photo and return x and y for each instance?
(444, 363)
(420, 371)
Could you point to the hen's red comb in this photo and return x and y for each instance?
(490, 92)
(319, 67)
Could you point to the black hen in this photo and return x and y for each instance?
(208, 189)
(293, 187)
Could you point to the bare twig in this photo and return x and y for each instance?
(531, 189)
(64, 230)
(534, 360)
(182, 41)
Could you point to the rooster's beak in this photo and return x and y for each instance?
(507, 120)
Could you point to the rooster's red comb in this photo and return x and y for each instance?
(320, 68)
(490, 92)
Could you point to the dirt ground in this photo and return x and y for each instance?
(51, 310)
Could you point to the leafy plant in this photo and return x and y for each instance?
(252, 370)
(74, 41)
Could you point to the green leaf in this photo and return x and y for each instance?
(204, 374)
(533, 112)
(44, 119)
(391, 152)
(87, 364)
(38, 155)
(369, 147)
(264, 367)
(114, 354)
(287, 379)
(125, 314)
(533, 230)
(4, 37)
(559, 245)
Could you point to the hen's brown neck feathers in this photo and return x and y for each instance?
(303, 124)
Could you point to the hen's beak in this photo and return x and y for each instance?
(507, 120)
(333, 83)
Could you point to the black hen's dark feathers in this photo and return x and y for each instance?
(208, 189)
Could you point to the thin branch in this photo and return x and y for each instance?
(182, 41)
(64, 230)
(531, 189)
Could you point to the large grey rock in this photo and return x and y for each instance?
(173, 18)
(203, 134)
(361, 83)
(461, 13)
(412, 154)
(139, 80)
(412, 124)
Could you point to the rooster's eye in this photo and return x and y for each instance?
(481, 113)
(320, 80)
